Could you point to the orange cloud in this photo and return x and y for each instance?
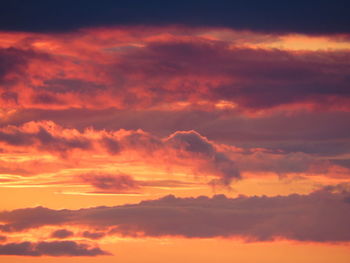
(185, 151)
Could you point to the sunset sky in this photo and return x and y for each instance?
(175, 131)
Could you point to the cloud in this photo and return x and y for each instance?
(195, 144)
(321, 216)
(182, 149)
(38, 164)
(197, 67)
(108, 182)
(41, 137)
(93, 235)
(14, 62)
(166, 183)
(55, 248)
(112, 146)
(185, 151)
(307, 132)
(62, 233)
(281, 163)
(123, 183)
(252, 79)
(36, 218)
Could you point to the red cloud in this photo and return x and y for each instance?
(184, 150)
(114, 68)
(188, 149)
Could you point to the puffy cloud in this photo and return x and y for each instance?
(315, 133)
(186, 151)
(181, 149)
(54, 248)
(321, 216)
(40, 136)
(195, 144)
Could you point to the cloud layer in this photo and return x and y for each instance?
(54, 248)
(322, 216)
(186, 151)
(134, 68)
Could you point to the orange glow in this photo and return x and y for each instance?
(110, 116)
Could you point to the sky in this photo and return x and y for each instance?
(174, 131)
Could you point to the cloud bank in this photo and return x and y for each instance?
(321, 216)
(54, 248)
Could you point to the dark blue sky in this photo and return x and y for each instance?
(317, 17)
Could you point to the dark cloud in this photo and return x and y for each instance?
(108, 182)
(192, 142)
(9, 96)
(282, 164)
(341, 162)
(166, 183)
(260, 151)
(182, 68)
(188, 149)
(13, 64)
(93, 235)
(60, 144)
(112, 145)
(35, 218)
(16, 138)
(67, 85)
(62, 233)
(253, 79)
(321, 216)
(44, 98)
(297, 16)
(12, 59)
(342, 188)
(49, 91)
(43, 139)
(122, 183)
(319, 133)
(55, 248)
